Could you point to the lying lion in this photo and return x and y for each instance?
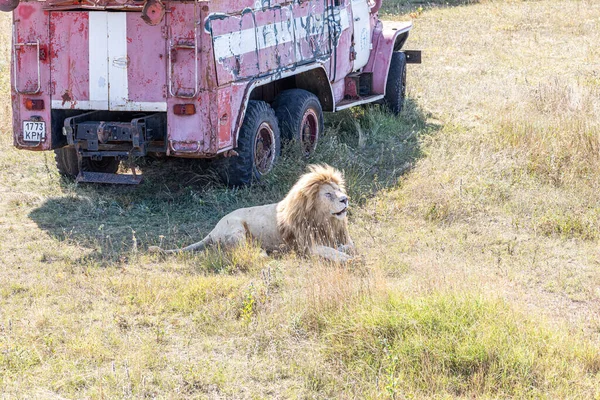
(311, 219)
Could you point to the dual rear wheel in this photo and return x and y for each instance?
(259, 145)
(296, 118)
(301, 118)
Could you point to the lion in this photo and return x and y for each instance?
(311, 219)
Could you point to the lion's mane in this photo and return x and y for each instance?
(302, 221)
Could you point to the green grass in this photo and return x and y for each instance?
(475, 213)
(461, 346)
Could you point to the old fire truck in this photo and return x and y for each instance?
(99, 81)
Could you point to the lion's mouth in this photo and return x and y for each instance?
(339, 214)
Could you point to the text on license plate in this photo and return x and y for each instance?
(34, 131)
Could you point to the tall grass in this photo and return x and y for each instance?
(448, 345)
(558, 130)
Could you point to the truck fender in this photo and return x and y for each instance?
(388, 36)
(322, 89)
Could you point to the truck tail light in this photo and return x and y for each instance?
(184, 109)
(34, 104)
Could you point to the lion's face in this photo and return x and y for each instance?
(314, 210)
(332, 201)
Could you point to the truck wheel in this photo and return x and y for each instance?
(109, 165)
(66, 162)
(395, 89)
(300, 118)
(259, 145)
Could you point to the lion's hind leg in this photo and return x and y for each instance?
(230, 233)
(227, 234)
(330, 254)
(227, 240)
(233, 239)
(198, 246)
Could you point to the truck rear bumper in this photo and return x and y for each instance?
(99, 134)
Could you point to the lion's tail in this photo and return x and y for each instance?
(201, 245)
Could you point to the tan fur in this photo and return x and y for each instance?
(311, 219)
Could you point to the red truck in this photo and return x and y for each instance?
(99, 81)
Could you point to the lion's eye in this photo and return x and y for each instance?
(329, 195)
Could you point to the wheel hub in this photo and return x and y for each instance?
(264, 148)
(309, 131)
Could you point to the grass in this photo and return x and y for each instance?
(476, 214)
(457, 345)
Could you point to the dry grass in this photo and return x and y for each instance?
(481, 271)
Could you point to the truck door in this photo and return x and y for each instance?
(362, 33)
(107, 61)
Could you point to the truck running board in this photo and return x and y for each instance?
(347, 103)
(102, 177)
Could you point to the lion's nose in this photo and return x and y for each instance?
(344, 199)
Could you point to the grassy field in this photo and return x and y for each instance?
(476, 212)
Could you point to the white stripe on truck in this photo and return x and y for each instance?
(118, 91)
(157, 106)
(245, 41)
(98, 60)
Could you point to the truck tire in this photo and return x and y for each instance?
(300, 118)
(258, 146)
(66, 162)
(109, 165)
(395, 89)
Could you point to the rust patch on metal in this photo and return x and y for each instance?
(103, 134)
(153, 12)
(66, 97)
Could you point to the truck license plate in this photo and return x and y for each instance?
(34, 131)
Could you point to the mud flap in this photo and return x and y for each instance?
(412, 56)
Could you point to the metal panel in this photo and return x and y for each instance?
(235, 47)
(98, 60)
(70, 61)
(225, 99)
(384, 37)
(259, 42)
(99, 56)
(146, 56)
(118, 90)
(362, 33)
(190, 135)
(30, 72)
(311, 30)
(341, 63)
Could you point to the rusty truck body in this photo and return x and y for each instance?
(98, 81)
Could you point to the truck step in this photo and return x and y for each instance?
(102, 177)
(347, 103)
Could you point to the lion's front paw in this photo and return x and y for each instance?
(357, 261)
(343, 258)
(347, 248)
(155, 249)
